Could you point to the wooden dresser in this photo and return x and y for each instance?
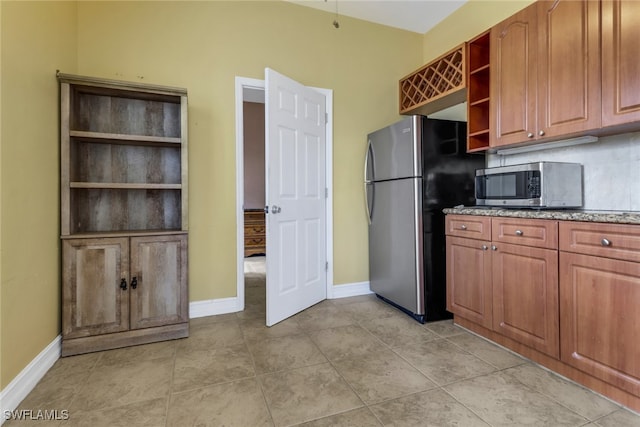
(255, 240)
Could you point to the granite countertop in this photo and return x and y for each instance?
(619, 217)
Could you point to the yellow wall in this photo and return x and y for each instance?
(473, 18)
(37, 38)
(202, 46)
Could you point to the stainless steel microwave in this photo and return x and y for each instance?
(531, 185)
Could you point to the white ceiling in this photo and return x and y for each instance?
(413, 15)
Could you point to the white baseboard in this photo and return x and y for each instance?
(350, 290)
(26, 380)
(214, 306)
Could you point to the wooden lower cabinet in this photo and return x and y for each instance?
(566, 298)
(509, 288)
(123, 291)
(600, 319)
(469, 292)
(525, 296)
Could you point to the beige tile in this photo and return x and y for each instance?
(288, 352)
(199, 368)
(431, 408)
(253, 313)
(55, 391)
(361, 417)
(35, 420)
(397, 330)
(229, 317)
(135, 354)
(144, 414)
(577, 398)
(212, 335)
(256, 329)
(345, 341)
(490, 353)
(371, 309)
(237, 403)
(620, 418)
(442, 361)
(305, 394)
(324, 316)
(501, 400)
(444, 328)
(114, 386)
(381, 375)
(75, 364)
(351, 300)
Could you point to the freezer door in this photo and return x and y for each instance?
(395, 151)
(395, 243)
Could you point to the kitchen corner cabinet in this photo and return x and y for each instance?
(123, 213)
(545, 78)
(620, 65)
(502, 273)
(599, 300)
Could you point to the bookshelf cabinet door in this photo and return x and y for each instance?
(95, 287)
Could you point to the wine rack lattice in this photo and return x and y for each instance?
(435, 80)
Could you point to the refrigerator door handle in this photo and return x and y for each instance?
(369, 157)
(366, 199)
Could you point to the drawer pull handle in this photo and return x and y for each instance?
(494, 248)
(519, 233)
(463, 227)
(605, 242)
(485, 247)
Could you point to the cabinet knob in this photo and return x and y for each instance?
(485, 247)
(519, 233)
(123, 284)
(605, 242)
(134, 283)
(530, 135)
(463, 227)
(541, 133)
(494, 248)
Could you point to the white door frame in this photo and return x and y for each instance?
(242, 83)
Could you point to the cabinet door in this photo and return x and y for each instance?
(95, 300)
(525, 296)
(469, 279)
(599, 318)
(568, 67)
(513, 78)
(158, 281)
(620, 65)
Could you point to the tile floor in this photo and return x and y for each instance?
(348, 362)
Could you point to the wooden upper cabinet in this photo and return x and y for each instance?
(568, 67)
(513, 77)
(546, 72)
(620, 64)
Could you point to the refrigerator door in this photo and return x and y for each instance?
(395, 151)
(395, 243)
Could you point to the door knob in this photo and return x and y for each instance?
(275, 209)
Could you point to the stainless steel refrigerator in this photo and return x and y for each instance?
(413, 170)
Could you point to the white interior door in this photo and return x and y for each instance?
(296, 196)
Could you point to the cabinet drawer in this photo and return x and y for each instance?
(473, 227)
(254, 229)
(539, 233)
(254, 241)
(607, 240)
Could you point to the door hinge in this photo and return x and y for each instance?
(326, 118)
(326, 193)
(326, 266)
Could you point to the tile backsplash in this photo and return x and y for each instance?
(611, 169)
